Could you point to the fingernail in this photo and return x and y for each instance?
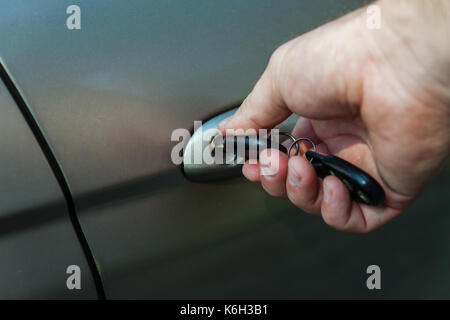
(267, 172)
(265, 167)
(224, 122)
(293, 177)
(327, 193)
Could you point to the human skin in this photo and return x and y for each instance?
(378, 98)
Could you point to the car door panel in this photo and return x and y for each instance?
(37, 240)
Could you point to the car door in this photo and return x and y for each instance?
(108, 97)
(39, 245)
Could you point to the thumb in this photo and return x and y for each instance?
(315, 75)
(264, 107)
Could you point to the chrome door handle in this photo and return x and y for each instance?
(197, 168)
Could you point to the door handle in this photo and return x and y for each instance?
(197, 168)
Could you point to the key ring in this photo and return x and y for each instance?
(296, 141)
(290, 136)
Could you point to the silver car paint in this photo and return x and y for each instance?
(37, 240)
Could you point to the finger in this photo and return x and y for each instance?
(337, 205)
(302, 186)
(303, 128)
(303, 76)
(273, 171)
(251, 171)
(263, 107)
(340, 212)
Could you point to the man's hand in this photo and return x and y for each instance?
(378, 98)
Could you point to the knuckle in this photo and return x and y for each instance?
(303, 203)
(271, 188)
(244, 105)
(332, 219)
(336, 221)
(275, 58)
(278, 55)
(247, 109)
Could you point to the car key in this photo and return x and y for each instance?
(361, 185)
(250, 145)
